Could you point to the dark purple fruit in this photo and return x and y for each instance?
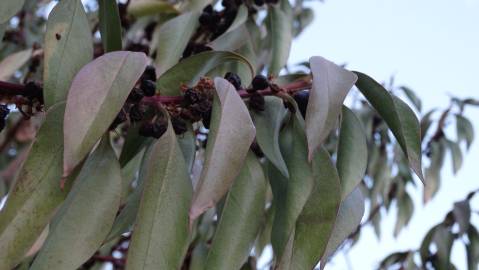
(190, 97)
(234, 79)
(148, 87)
(136, 113)
(135, 95)
(208, 9)
(260, 82)
(150, 73)
(256, 102)
(302, 98)
(179, 125)
(154, 130)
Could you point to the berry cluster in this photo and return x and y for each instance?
(256, 100)
(133, 109)
(197, 102)
(4, 111)
(217, 22)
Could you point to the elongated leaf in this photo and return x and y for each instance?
(240, 219)
(268, 124)
(187, 143)
(399, 117)
(8, 9)
(426, 122)
(97, 94)
(172, 38)
(456, 155)
(13, 62)
(134, 143)
(84, 220)
(433, 172)
(331, 84)
(139, 8)
(316, 222)
(35, 194)
(462, 215)
(349, 217)
(281, 27)
(160, 237)
(231, 134)
(416, 101)
(192, 68)
(68, 47)
(472, 249)
(465, 131)
(443, 239)
(290, 195)
(405, 211)
(352, 152)
(232, 40)
(110, 25)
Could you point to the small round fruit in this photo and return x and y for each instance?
(260, 82)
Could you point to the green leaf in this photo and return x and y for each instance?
(68, 47)
(110, 25)
(352, 154)
(433, 172)
(241, 218)
(462, 215)
(97, 94)
(192, 68)
(331, 84)
(187, 143)
(281, 35)
(134, 143)
(456, 155)
(426, 242)
(129, 175)
(399, 117)
(290, 195)
(416, 101)
(231, 134)
(268, 125)
(161, 237)
(426, 122)
(405, 210)
(140, 8)
(472, 248)
(443, 240)
(36, 193)
(349, 217)
(171, 38)
(86, 216)
(465, 131)
(8, 9)
(14, 62)
(315, 224)
(232, 40)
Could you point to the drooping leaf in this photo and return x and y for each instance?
(281, 36)
(68, 47)
(14, 62)
(96, 95)
(433, 172)
(8, 9)
(231, 134)
(399, 117)
(232, 40)
(472, 248)
(443, 239)
(129, 174)
(462, 215)
(240, 220)
(268, 125)
(36, 193)
(187, 143)
(192, 68)
(86, 216)
(352, 157)
(171, 38)
(290, 195)
(349, 217)
(161, 237)
(316, 221)
(424, 251)
(456, 155)
(331, 84)
(426, 122)
(416, 101)
(465, 130)
(405, 211)
(110, 25)
(134, 143)
(140, 8)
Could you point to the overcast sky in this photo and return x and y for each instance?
(429, 45)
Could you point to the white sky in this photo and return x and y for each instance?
(431, 46)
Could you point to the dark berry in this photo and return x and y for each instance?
(154, 130)
(206, 19)
(34, 91)
(301, 99)
(208, 9)
(146, 130)
(120, 118)
(259, 2)
(190, 97)
(150, 73)
(136, 113)
(259, 82)
(256, 102)
(4, 110)
(148, 87)
(159, 128)
(179, 125)
(135, 95)
(149, 29)
(234, 79)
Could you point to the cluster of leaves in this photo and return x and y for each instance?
(435, 249)
(195, 197)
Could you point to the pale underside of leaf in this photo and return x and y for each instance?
(68, 47)
(331, 84)
(13, 62)
(281, 24)
(96, 95)
(231, 134)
